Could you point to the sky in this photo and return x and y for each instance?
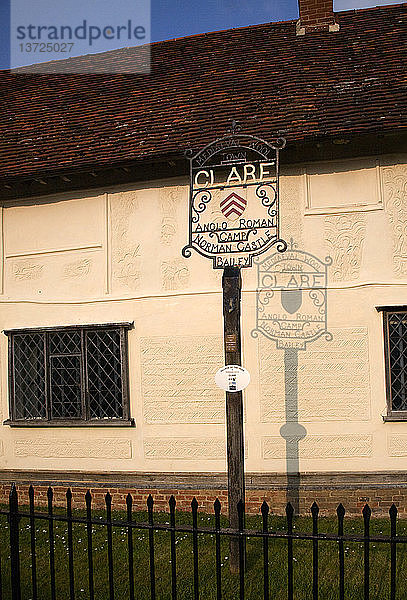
(176, 18)
(169, 18)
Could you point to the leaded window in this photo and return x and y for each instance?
(395, 337)
(69, 374)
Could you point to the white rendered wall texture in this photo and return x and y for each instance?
(114, 255)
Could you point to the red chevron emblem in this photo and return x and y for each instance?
(233, 204)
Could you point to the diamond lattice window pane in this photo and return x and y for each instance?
(29, 376)
(104, 374)
(398, 359)
(65, 387)
(49, 369)
(65, 342)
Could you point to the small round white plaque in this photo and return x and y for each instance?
(232, 378)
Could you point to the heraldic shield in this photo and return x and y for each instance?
(291, 306)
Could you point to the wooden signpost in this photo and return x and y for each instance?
(234, 216)
(232, 285)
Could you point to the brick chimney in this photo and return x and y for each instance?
(316, 15)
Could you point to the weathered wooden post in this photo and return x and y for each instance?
(231, 285)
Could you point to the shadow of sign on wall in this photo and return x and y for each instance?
(291, 310)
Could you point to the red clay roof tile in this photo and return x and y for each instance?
(272, 81)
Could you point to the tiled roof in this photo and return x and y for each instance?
(272, 81)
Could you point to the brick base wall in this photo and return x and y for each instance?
(353, 490)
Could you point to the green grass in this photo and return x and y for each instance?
(328, 561)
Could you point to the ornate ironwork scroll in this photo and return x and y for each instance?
(234, 199)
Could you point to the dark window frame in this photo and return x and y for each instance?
(85, 418)
(392, 415)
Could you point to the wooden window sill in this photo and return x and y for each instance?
(71, 423)
(395, 417)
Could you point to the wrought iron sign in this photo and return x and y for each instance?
(234, 200)
(292, 298)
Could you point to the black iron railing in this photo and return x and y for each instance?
(265, 535)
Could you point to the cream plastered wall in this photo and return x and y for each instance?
(114, 255)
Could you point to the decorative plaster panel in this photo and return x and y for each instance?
(293, 200)
(345, 235)
(320, 446)
(54, 226)
(73, 273)
(169, 198)
(23, 270)
(195, 411)
(185, 448)
(67, 448)
(126, 251)
(333, 379)
(395, 193)
(54, 248)
(174, 274)
(343, 186)
(77, 269)
(178, 379)
(397, 445)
